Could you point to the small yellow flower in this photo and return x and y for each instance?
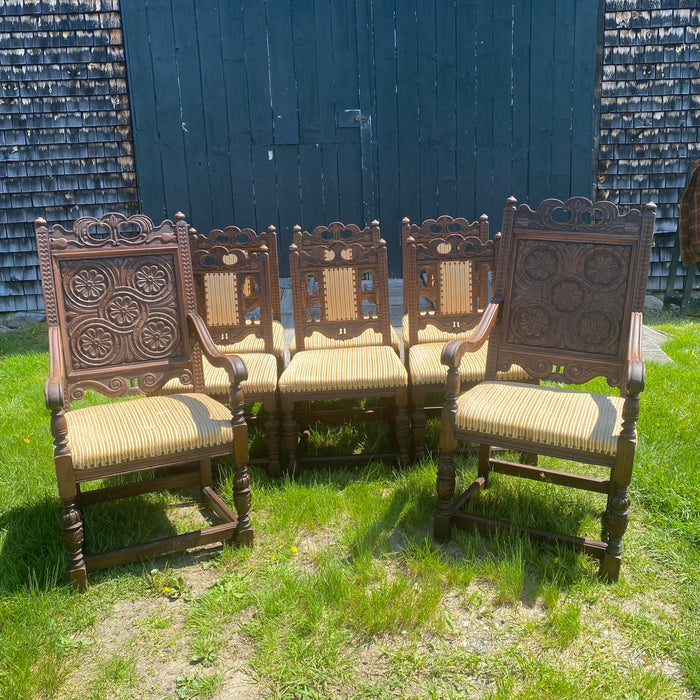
(273, 557)
(27, 440)
(166, 590)
(556, 560)
(295, 550)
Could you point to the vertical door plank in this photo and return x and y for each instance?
(469, 113)
(407, 37)
(427, 80)
(446, 98)
(285, 120)
(586, 36)
(216, 121)
(387, 132)
(562, 96)
(521, 102)
(189, 76)
(235, 79)
(142, 98)
(541, 97)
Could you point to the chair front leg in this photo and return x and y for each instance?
(272, 436)
(402, 424)
(241, 479)
(418, 421)
(71, 520)
(289, 429)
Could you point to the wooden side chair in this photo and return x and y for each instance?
(122, 320)
(567, 306)
(237, 288)
(340, 296)
(447, 264)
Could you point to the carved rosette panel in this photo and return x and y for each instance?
(120, 311)
(569, 296)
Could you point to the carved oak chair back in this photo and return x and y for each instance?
(448, 282)
(570, 277)
(340, 285)
(99, 280)
(567, 307)
(344, 343)
(122, 320)
(237, 283)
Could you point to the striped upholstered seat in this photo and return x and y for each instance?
(543, 415)
(262, 377)
(252, 343)
(147, 427)
(343, 369)
(426, 368)
(318, 341)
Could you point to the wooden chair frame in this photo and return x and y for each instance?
(249, 260)
(122, 320)
(426, 249)
(567, 306)
(326, 252)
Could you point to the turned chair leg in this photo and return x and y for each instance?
(402, 424)
(289, 429)
(615, 522)
(418, 422)
(272, 437)
(71, 519)
(442, 528)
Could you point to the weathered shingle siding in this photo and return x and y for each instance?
(650, 111)
(65, 136)
(66, 147)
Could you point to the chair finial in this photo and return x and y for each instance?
(179, 216)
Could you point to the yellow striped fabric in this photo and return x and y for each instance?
(253, 344)
(543, 415)
(370, 367)
(455, 289)
(318, 341)
(221, 299)
(146, 427)
(432, 334)
(425, 366)
(341, 304)
(262, 377)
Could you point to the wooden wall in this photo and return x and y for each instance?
(65, 133)
(66, 145)
(245, 111)
(650, 112)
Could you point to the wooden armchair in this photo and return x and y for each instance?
(340, 296)
(447, 263)
(567, 306)
(237, 288)
(122, 320)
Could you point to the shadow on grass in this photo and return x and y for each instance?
(32, 555)
(25, 342)
(405, 525)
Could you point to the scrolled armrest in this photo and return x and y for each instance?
(234, 365)
(55, 385)
(634, 365)
(454, 350)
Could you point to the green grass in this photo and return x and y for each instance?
(345, 594)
